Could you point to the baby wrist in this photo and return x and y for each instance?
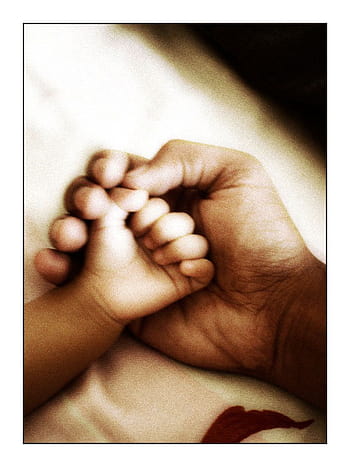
(89, 302)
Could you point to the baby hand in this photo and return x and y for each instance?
(133, 264)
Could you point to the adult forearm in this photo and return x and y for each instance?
(62, 336)
(301, 348)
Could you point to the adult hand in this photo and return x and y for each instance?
(263, 314)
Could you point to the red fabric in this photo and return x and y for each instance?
(236, 424)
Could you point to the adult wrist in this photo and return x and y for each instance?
(300, 350)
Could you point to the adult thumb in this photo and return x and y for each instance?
(190, 165)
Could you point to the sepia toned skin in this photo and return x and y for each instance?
(263, 314)
(127, 272)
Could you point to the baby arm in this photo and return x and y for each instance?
(129, 271)
(63, 333)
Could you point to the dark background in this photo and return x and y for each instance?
(285, 61)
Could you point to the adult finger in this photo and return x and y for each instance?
(191, 165)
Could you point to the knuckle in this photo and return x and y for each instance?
(171, 145)
(248, 160)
